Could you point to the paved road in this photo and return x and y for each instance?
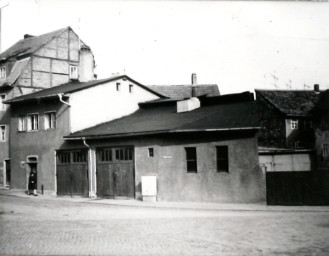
(49, 227)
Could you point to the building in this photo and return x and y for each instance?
(199, 149)
(36, 63)
(292, 145)
(40, 120)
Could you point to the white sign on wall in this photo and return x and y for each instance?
(149, 186)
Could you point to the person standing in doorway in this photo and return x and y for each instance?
(33, 182)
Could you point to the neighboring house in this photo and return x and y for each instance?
(185, 91)
(35, 63)
(293, 130)
(200, 149)
(40, 120)
(321, 114)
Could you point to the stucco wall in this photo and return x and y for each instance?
(40, 143)
(104, 103)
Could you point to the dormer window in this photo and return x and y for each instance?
(74, 72)
(3, 72)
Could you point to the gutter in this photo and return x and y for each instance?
(159, 132)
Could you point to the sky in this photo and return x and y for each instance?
(238, 45)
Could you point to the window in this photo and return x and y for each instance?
(64, 157)
(2, 133)
(105, 155)
(151, 152)
(50, 120)
(124, 154)
(191, 162)
(294, 124)
(2, 99)
(22, 124)
(73, 72)
(3, 72)
(79, 157)
(33, 122)
(131, 88)
(325, 150)
(308, 124)
(222, 158)
(118, 86)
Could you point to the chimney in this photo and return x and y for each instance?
(194, 83)
(317, 88)
(86, 65)
(27, 36)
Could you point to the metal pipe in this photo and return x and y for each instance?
(60, 96)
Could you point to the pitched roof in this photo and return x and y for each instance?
(290, 102)
(15, 72)
(165, 119)
(29, 45)
(72, 87)
(323, 103)
(185, 91)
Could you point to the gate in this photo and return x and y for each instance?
(72, 173)
(115, 172)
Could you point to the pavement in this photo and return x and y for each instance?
(170, 205)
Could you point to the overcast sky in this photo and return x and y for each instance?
(238, 45)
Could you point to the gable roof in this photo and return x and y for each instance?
(290, 102)
(165, 119)
(72, 87)
(30, 45)
(185, 91)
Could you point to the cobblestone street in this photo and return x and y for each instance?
(31, 226)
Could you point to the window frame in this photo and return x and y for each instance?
(193, 160)
(150, 152)
(22, 124)
(3, 133)
(3, 72)
(118, 87)
(74, 74)
(3, 106)
(29, 122)
(131, 88)
(48, 121)
(294, 124)
(224, 160)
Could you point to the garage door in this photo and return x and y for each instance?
(72, 173)
(115, 172)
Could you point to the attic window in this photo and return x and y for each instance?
(73, 72)
(131, 88)
(118, 86)
(3, 72)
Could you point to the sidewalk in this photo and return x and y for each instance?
(172, 205)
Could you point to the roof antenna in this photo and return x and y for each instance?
(275, 79)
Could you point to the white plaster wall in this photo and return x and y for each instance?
(286, 163)
(104, 103)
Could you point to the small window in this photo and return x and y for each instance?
(2, 99)
(325, 151)
(64, 157)
(222, 158)
(33, 122)
(151, 152)
(308, 124)
(50, 120)
(191, 161)
(2, 133)
(131, 88)
(294, 124)
(105, 155)
(22, 124)
(73, 72)
(79, 157)
(118, 86)
(3, 72)
(124, 154)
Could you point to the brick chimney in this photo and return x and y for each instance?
(317, 88)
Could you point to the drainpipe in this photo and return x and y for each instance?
(89, 165)
(60, 96)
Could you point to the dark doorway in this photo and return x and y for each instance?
(7, 170)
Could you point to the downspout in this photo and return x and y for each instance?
(89, 165)
(60, 96)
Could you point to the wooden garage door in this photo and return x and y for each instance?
(72, 173)
(115, 172)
